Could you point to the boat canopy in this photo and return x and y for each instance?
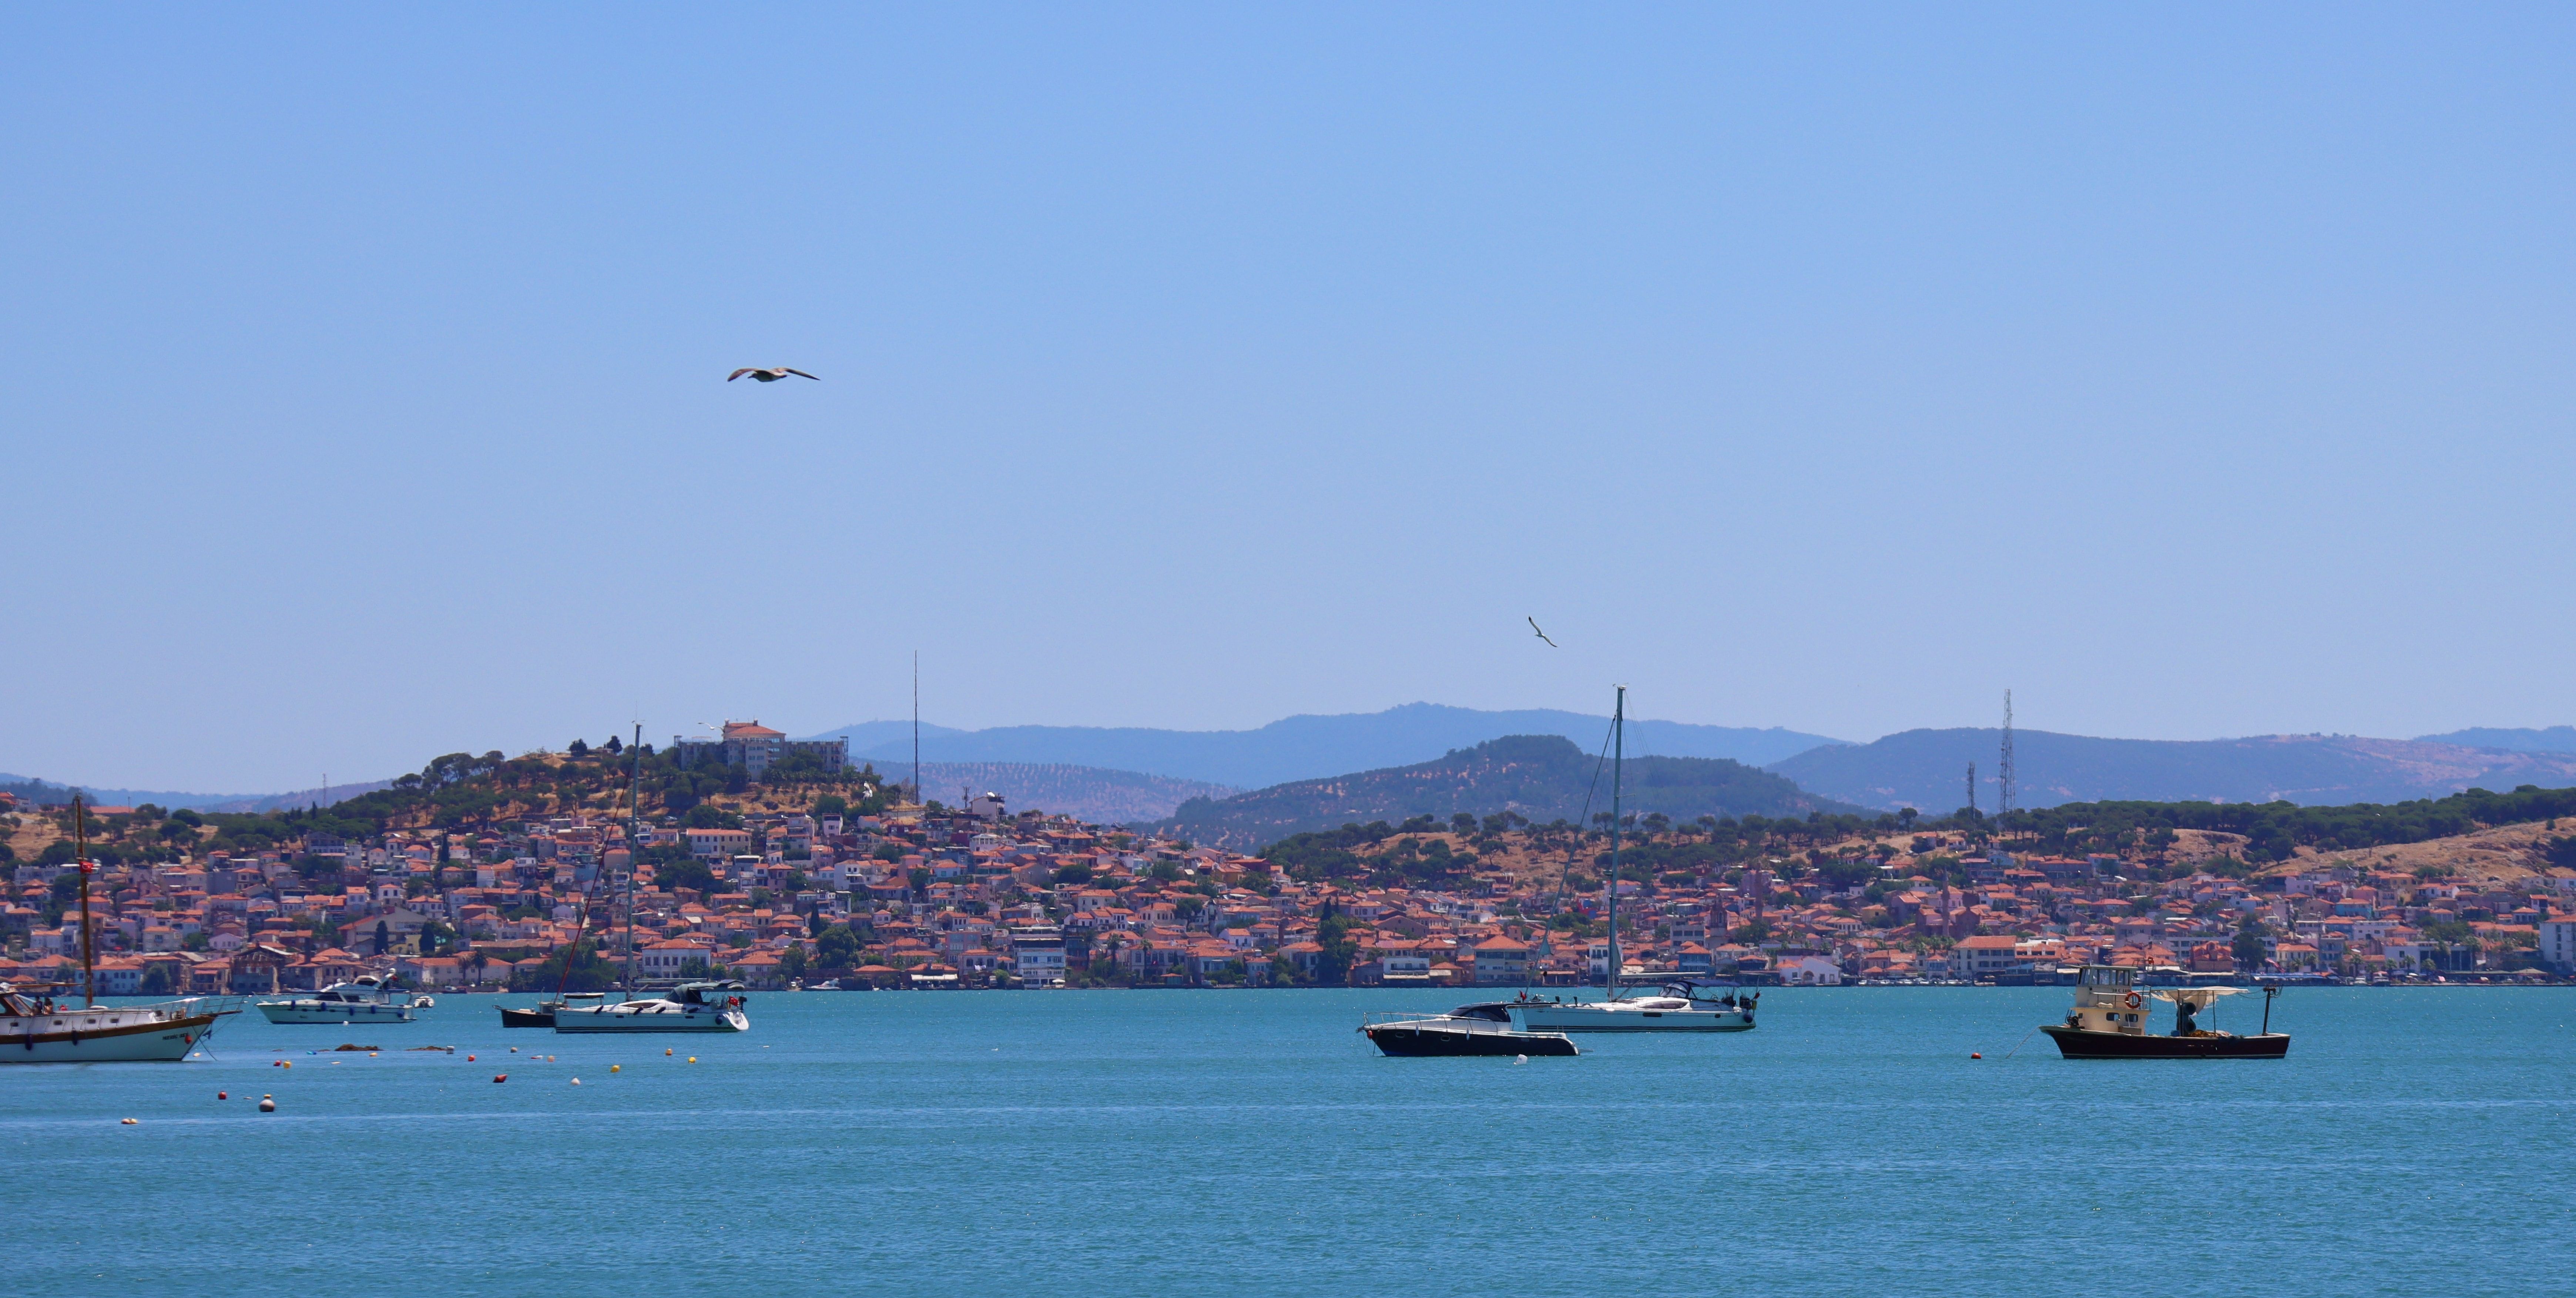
(2198, 998)
(1498, 1011)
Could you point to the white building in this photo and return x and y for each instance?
(2558, 940)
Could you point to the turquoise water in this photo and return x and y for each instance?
(2415, 1141)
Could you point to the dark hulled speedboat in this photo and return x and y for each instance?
(2109, 1021)
(1480, 1029)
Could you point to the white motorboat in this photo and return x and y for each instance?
(367, 999)
(1683, 1005)
(689, 1007)
(34, 1030)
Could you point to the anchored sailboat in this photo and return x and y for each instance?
(1685, 1005)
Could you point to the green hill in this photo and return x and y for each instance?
(1542, 777)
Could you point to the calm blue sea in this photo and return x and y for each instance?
(2415, 1142)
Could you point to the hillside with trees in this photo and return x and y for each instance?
(1538, 778)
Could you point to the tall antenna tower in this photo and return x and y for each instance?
(2004, 767)
(1972, 786)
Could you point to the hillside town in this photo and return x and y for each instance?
(922, 896)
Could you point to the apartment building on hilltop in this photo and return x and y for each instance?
(753, 747)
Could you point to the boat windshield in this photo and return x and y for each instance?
(2103, 975)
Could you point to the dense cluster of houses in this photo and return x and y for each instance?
(984, 898)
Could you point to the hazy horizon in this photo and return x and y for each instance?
(2189, 372)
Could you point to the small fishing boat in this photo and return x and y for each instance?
(2109, 1021)
(689, 1007)
(1480, 1029)
(366, 999)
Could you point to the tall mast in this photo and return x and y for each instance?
(634, 855)
(916, 726)
(89, 943)
(1618, 757)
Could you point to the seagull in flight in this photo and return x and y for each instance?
(769, 376)
(1541, 634)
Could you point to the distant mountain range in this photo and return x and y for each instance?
(1084, 792)
(1927, 769)
(1305, 747)
(1543, 777)
(30, 789)
(2555, 739)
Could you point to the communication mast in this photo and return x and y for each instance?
(1972, 786)
(2004, 767)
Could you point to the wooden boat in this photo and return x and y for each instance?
(1481, 1029)
(36, 1030)
(2109, 1021)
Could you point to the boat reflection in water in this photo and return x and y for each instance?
(1480, 1029)
(2109, 1021)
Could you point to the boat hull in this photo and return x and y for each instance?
(518, 1018)
(2077, 1043)
(1418, 1041)
(117, 1041)
(327, 1012)
(616, 1018)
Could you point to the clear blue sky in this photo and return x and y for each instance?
(2191, 371)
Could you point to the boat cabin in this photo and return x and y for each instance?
(363, 991)
(707, 993)
(2107, 999)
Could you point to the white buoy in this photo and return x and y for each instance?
(1518, 1060)
(267, 1104)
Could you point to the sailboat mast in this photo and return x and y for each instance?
(916, 727)
(634, 853)
(89, 942)
(1618, 758)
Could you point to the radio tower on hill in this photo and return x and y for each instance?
(2004, 766)
(1972, 787)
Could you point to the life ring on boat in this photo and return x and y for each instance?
(2132, 1000)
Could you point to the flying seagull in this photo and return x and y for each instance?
(769, 376)
(1541, 634)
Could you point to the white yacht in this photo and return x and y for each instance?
(1683, 1004)
(689, 1007)
(368, 999)
(34, 1030)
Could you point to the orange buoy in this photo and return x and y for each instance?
(469, 1059)
(127, 1122)
(1974, 1055)
(223, 1095)
(498, 1078)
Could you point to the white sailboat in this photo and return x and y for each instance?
(689, 1007)
(34, 1030)
(1685, 1004)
